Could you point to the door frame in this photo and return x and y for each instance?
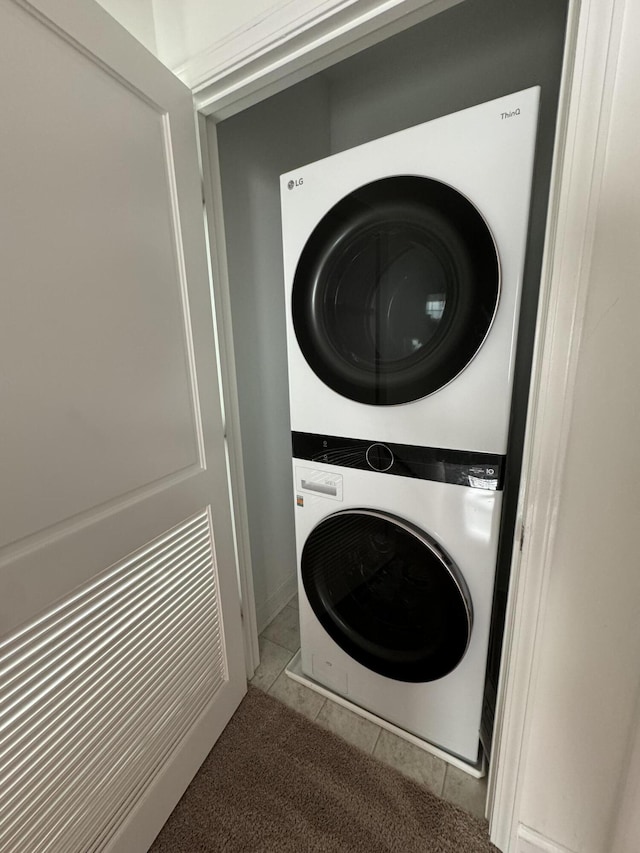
(255, 64)
(228, 382)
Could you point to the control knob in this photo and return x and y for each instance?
(379, 457)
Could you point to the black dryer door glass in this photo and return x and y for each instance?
(387, 594)
(395, 290)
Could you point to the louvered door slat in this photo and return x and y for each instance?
(122, 798)
(107, 637)
(18, 649)
(89, 732)
(100, 780)
(82, 698)
(68, 646)
(101, 689)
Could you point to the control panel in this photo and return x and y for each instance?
(459, 467)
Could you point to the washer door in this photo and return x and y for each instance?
(387, 594)
(395, 290)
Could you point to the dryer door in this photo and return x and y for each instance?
(387, 594)
(395, 290)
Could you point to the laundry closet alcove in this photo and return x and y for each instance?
(474, 52)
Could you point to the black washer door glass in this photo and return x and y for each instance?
(387, 594)
(395, 290)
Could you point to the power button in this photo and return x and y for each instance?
(379, 457)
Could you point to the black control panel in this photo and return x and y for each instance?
(459, 467)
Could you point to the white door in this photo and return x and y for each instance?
(120, 644)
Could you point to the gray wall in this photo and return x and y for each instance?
(256, 146)
(474, 52)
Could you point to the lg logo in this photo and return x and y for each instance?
(297, 183)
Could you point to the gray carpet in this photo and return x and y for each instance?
(277, 783)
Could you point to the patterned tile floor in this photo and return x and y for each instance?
(279, 641)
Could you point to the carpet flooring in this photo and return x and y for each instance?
(277, 783)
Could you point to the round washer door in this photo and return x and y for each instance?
(387, 594)
(395, 290)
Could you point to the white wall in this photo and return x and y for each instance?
(137, 16)
(584, 705)
(186, 28)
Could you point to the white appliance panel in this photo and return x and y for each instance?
(485, 153)
(465, 522)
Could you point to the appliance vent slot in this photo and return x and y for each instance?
(97, 692)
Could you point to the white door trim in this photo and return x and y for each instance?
(302, 48)
(220, 299)
(583, 123)
(289, 44)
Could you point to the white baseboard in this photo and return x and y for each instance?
(530, 841)
(270, 608)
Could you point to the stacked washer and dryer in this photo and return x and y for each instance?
(403, 265)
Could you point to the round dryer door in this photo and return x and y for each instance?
(387, 594)
(395, 290)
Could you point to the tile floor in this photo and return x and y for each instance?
(279, 641)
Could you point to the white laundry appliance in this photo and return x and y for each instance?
(396, 578)
(403, 263)
(403, 270)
